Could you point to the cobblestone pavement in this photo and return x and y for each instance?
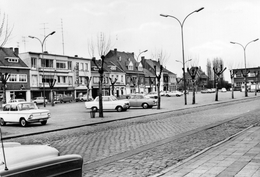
(123, 139)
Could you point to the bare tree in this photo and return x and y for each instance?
(5, 30)
(103, 47)
(162, 58)
(232, 74)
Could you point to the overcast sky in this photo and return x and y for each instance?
(136, 25)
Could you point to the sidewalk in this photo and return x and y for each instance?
(237, 157)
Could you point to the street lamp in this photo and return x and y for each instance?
(138, 70)
(42, 43)
(244, 48)
(182, 24)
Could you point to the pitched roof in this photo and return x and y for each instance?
(153, 63)
(6, 53)
(122, 60)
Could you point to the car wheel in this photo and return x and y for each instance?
(119, 109)
(94, 109)
(44, 122)
(2, 122)
(145, 105)
(23, 122)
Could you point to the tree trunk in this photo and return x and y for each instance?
(100, 97)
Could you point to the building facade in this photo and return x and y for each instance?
(16, 74)
(66, 74)
(238, 79)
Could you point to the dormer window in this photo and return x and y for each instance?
(130, 67)
(12, 59)
(140, 67)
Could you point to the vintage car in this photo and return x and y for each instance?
(37, 160)
(40, 100)
(109, 103)
(140, 100)
(23, 113)
(174, 93)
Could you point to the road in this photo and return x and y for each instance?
(74, 114)
(107, 148)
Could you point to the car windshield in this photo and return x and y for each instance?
(27, 106)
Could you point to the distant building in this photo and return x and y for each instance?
(252, 78)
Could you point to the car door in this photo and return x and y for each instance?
(14, 113)
(106, 101)
(134, 101)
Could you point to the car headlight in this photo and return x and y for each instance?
(49, 114)
(30, 117)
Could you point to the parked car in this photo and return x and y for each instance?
(223, 90)
(140, 100)
(65, 99)
(37, 160)
(23, 113)
(174, 93)
(208, 91)
(109, 103)
(39, 100)
(84, 98)
(16, 100)
(152, 95)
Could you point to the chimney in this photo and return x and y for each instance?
(76, 55)
(16, 51)
(115, 51)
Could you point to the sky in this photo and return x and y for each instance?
(136, 25)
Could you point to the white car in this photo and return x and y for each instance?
(40, 100)
(37, 160)
(23, 113)
(109, 103)
(174, 93)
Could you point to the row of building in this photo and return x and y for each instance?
(32, 74)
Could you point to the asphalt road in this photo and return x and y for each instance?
(74, 114)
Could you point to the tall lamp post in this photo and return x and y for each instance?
(183, 62)
(43, 79)
(244, 48)
(138, 70)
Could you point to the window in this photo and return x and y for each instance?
(130, 68)
(69, 65)
(62, 79)
(34, 80)
(95, 80)
(46, 63)
(13, 78)
(122, 78)
(33, 62)
(13, 60)
(61, 65)
(82, 66)
(22, 78)
(70, 80)
(86, 66)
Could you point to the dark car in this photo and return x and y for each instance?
(65, 99)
